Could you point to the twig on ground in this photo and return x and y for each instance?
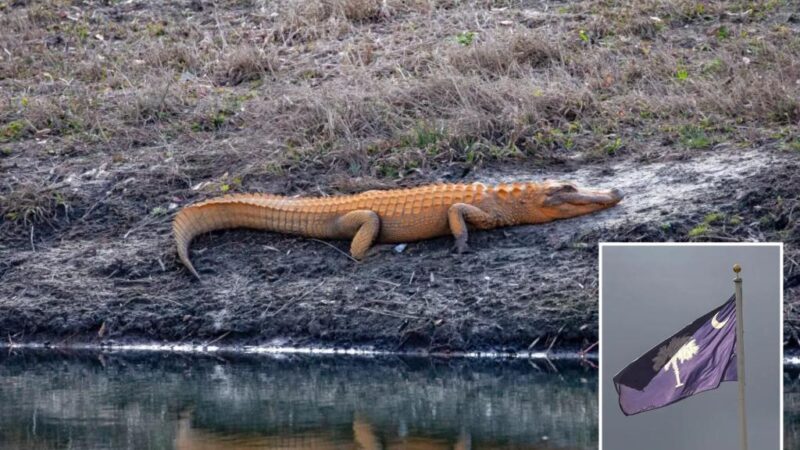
(335, 248)
(389, 313)
(68, 338)
(585, 351)
(550, 347)
(385, 282)
(222, 336)
(296, 299)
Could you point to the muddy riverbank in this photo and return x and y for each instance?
(522, 288)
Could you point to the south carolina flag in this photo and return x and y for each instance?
(696, 359)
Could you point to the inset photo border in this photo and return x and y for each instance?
(669, 354)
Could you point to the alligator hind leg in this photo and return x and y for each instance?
(363, 225)
(461, 214)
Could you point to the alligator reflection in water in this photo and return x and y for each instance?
(170, 401)
(364, 436)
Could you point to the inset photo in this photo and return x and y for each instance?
(691, 346)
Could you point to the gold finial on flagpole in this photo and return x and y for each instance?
(737, 268)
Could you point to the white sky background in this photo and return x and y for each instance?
(650, 293)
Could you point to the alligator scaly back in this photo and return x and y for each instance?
(391, 216)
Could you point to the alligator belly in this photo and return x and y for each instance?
(413, 229)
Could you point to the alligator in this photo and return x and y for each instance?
(392, 216)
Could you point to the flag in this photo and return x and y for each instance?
(696, 359)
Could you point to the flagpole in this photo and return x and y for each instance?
(740, 355)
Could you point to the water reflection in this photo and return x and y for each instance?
(85, 400)
(791, 407)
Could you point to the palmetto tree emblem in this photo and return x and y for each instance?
(677, 351)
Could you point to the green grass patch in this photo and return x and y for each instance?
(613, 147)
(699, 230)
(714, 67)
(156, 29)
(714, 218)
(696, 138)
(215, 120)
(12, 131)
(426, 136)
(388, 171)
(793, 145)
(465, 38)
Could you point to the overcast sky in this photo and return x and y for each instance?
(648, 294)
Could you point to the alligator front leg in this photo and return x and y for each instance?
(363, 226)
(461, 214)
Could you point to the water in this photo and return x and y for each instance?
(129, 400)
(791, 406)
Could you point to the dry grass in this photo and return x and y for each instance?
(245, 63)
(29, 203)
(386, 89)
(507, 54)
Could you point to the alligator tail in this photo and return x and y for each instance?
(230, 211)
(185, 227)
(200, 218)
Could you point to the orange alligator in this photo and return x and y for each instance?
(392, 216)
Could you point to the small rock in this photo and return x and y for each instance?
(187, 76)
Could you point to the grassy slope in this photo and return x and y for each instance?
(112, 115)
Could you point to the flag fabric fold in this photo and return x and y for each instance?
(696, 359)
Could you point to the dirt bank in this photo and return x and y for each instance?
(113, 115)
(521, 287)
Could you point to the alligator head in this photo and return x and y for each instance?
(562, 200)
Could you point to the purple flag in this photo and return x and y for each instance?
(696, 359)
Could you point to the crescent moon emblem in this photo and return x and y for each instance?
(717, 324)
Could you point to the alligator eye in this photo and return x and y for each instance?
(568, 188)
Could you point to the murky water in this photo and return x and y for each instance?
(158, 401)
(791, 406)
